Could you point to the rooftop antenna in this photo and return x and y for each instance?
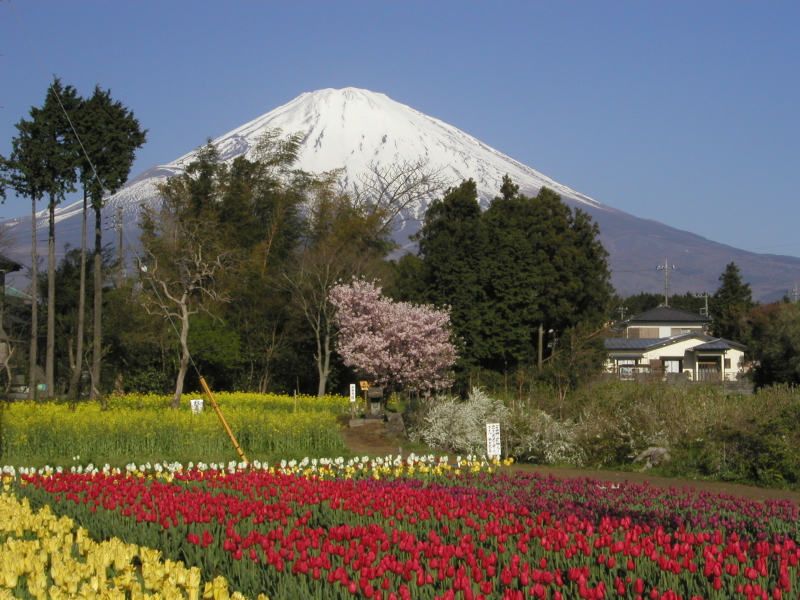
(666, 268)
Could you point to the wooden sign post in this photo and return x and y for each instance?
(365, 385)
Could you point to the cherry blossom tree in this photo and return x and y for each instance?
(396, 343)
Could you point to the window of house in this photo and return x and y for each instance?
(727, 363)
(626, 367)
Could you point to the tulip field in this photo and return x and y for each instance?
(390, 529)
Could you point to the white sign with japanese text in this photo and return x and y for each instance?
(493, 440)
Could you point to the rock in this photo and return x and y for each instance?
(654, 457)
(395, 425)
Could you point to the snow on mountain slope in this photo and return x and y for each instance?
(353, 128)
(348, 128)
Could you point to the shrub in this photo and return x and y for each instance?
(461, 426)
(549, 441)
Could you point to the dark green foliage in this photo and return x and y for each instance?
(778, 349)
(43, 155)
(522, 263)
(762, 452)
(452, 247)
(730, 304)
(110, 136)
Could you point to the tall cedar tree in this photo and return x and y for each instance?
(730, 305)
(42, 163)
(522, 263)
(59, 103)
(110, 136)
(452, 244)
(546, 267)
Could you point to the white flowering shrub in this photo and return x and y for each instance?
(549, 441)
(461, 426)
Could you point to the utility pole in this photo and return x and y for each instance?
(120, 257)
(794, 292)
(666, 268)
(622, 310)
(541, 341)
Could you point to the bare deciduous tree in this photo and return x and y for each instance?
(390, 189)
(180, 270)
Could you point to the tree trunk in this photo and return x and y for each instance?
(49, 366)
(323, 362)
(34, 302)
(74, 381)
(176, 399)
(97, 333)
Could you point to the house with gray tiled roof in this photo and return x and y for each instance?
(668, 340)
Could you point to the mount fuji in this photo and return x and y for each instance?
(351, 129)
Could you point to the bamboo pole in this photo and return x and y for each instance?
(222, 419)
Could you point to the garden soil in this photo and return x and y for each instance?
(372, 439)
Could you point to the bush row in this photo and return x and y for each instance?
(710, 433)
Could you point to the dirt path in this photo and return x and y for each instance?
(372, 440)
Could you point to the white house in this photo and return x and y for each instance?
(668, 340)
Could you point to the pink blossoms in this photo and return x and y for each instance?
(393, 342)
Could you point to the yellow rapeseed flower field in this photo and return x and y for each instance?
(137, 425)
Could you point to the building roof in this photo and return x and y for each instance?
(647, 344)
(15, 293)
(631, 343)
(719, 344)
(9, 266)
(670, 315)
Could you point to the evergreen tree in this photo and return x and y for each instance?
(42, 164)
(110, 136)
(545, 267)
(452, 245)
(730, 305)
(778, 349)
(59, 104)
(523, 263)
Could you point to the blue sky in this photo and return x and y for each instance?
(687, 113)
